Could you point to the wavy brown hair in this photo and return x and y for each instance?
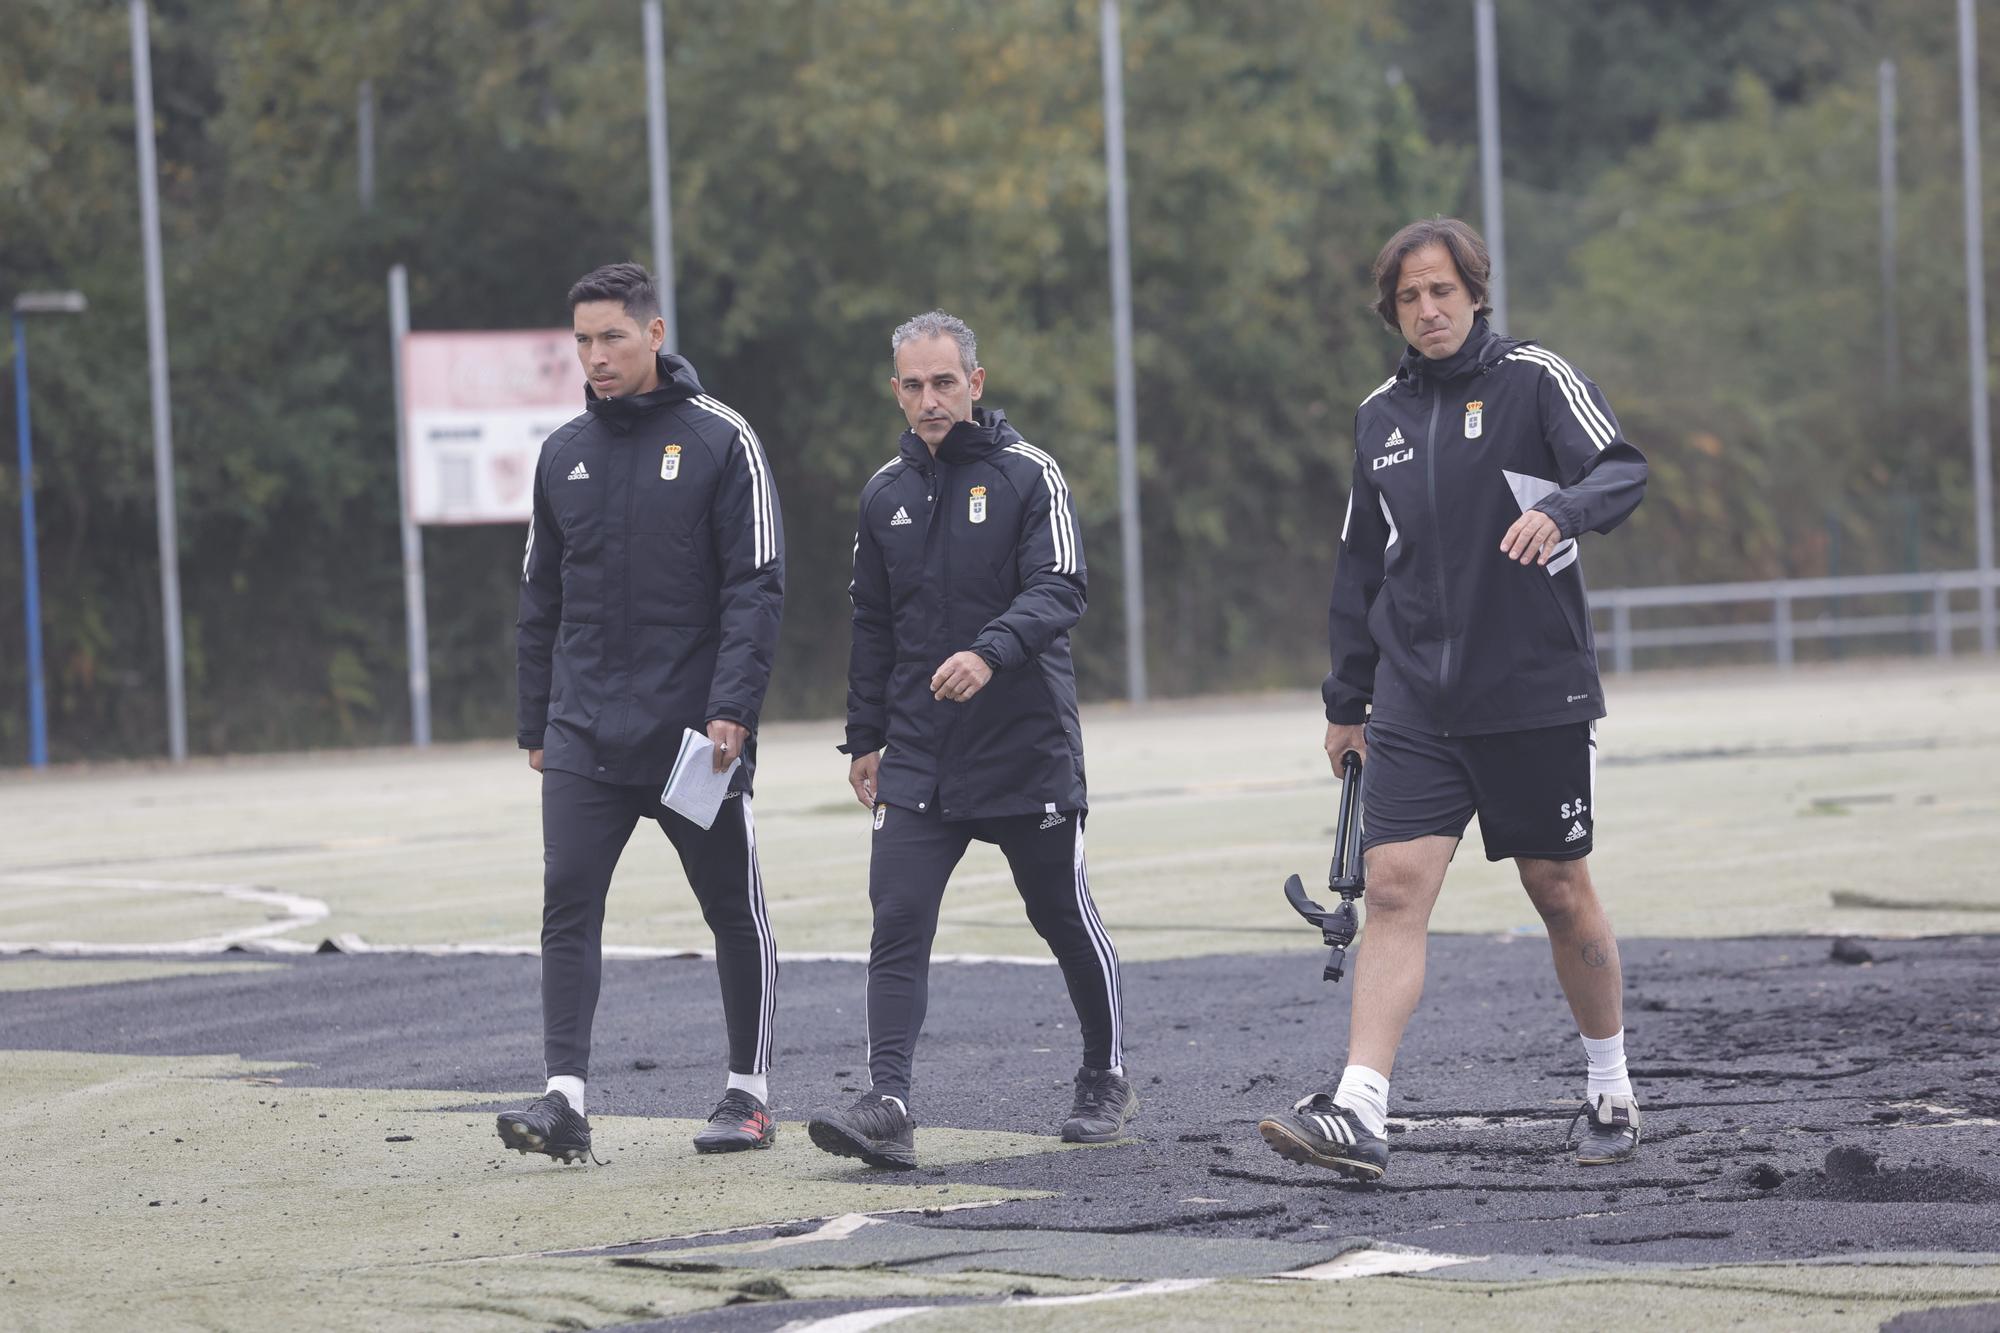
(1467, 250)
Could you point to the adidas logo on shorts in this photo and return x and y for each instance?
(1576, 832)
(1051, 820)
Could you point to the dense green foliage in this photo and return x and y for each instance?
(1691, 194)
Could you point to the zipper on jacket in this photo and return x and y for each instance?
(1437, 530)
(942, 513)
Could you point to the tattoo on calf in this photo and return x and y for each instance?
(1594, 954)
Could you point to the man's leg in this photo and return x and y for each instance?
(1586, 952)
(1346, 1131)
(1403, 883)
(722, 867)
(1049, 873)
(1538, 802)
(1045, 852)
(585, 825)
(911, 860)
(1416, 801)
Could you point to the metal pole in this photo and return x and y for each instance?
(1891, 353)
(416, 627)
(656, 154)
(31, 575)
(364, 137)
(156, 361)
(1489, 162)
(1975, 317)
(1121, 347)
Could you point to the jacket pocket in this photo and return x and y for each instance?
(1565, 616)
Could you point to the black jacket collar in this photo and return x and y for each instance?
(988, 431)
(1480, 350)
(678, 383)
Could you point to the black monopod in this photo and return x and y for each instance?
(1346, 877)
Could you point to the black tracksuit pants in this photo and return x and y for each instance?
(912, 858)
(585, 826)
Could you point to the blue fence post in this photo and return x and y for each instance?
(31, 577)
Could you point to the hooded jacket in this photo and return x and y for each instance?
(1429, 623)
(976, 549)
(652, 584)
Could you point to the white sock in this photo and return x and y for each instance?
(901, 1105)
(1366, 1093)
(1604, 1066)
(571, 1087)
(1116, 1071)
(757, 1085)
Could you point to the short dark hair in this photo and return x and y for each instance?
(628, 284)
(1467, 250)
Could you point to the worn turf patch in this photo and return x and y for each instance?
(1823, 1297)
(205, 1191)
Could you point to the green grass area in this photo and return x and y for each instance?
(1747, 816)
(204, 1192)
(1846, 1298)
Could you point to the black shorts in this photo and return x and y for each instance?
(1532, 790)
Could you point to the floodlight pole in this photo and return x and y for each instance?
(656, 156)
(1892, 358)
(364, 143)
(416, 621)
(1126, 395)
(156, 363)
(1489, 162)
(1975, 317)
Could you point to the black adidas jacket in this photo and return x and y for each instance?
(653, 582)
(1429, 622)
(977, 548)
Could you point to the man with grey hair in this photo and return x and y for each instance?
(962, 724)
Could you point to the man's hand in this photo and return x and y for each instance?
(1533, 538)
(1340, 739)
(962, 676)
(535, 760)
(729, 739)
(861, 776)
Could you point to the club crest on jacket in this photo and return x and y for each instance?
(670, 462)
(976, 506)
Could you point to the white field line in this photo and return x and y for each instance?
(1376, 1261)
(859, 1320)
(833, 1226)
(855, 1322)
(302, 912)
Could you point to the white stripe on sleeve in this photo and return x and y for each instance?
(763, 514)
(1573, 390)
(1062, 526)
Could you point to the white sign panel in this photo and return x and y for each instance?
(479, 406)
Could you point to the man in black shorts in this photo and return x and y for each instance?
(962, 724)
(1464, 673)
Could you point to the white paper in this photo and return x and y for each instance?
(695, 790)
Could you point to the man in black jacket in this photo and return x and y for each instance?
(650, 597)
(1464, 673)
(968, 574)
